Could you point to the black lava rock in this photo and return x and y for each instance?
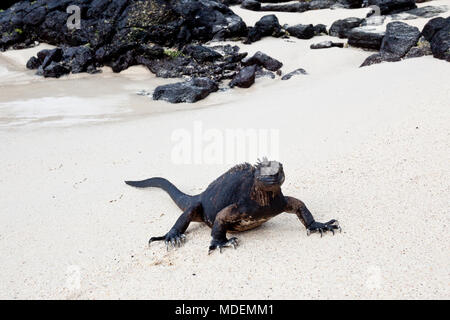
(187, 91)
(433, 26)
(320, 29)
(440, 44)
(326, 45)
(365, 37)
(251, 5)
(393, 6)
(263, 60)
(245, 78)
(201, 53)
(266, 26)
(293, 73)
(378, 58)
(341, 28)
(399, 38)
(302, 31)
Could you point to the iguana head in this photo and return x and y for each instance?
(269, 175)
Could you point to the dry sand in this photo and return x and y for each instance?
(368, 146)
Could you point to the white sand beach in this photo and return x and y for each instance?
(367, 146)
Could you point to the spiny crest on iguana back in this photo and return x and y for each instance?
(246, 166)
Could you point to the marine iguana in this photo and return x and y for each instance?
(241, 199)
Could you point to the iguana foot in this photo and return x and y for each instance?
(233, 242)
(173, 237)
(323, 227)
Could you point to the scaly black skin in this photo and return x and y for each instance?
(241, 199)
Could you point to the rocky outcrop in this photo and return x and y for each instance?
(112, 28)
(397, 42)
(187, 91)
(60, 61)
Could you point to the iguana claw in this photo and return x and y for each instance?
(323, 227)
(233, 242)
(174, 238)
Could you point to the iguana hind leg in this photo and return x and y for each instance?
(297, 207)
(176, 236)
(224, 218)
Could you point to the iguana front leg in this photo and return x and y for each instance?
(297, 207)
(176, 236)
(224, 218)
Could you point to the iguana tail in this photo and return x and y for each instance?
(182, 200)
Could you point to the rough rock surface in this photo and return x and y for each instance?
(341, 28)
(266, 26)
(320, 29)
(378, 58)
(245, 78)
(433, 26)
(392, 6)
(440, 43)
(399, 38)
(397, 42)
(251, 5)
(301, 31)
(423, 48)
(113, 28)
(187, 91)
(263, 60)
(365, 37)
